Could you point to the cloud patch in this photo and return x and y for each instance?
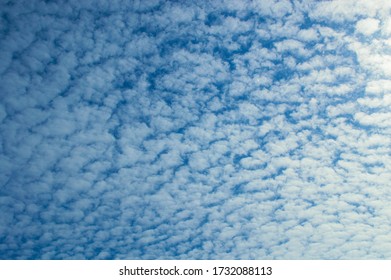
(162, 130)
(367, 26)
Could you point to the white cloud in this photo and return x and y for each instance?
(376, 119)
(183, 131)
(386, 28)
(367, 26)
(348, 10)
(291, 45)
(378, 87)
(308, 34)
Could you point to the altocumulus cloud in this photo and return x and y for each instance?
(195, 129)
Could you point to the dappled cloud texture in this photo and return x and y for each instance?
(195, 129)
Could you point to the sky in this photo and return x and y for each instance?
(195, 129)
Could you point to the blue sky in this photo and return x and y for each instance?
(195, 129)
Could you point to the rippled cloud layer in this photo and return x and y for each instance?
(195, 129)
